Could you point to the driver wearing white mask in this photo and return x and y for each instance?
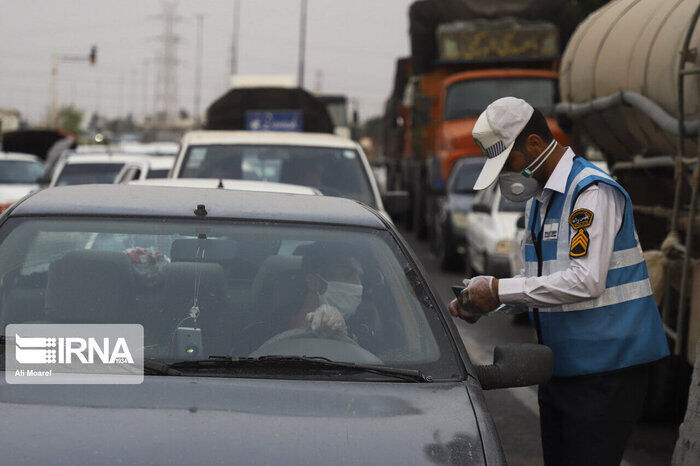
(333, 290)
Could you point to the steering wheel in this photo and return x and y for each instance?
(303, 342)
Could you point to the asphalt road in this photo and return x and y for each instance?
(515, 410)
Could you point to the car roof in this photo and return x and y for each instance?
(280, 138)
(243, 185)
(19, 156)
(105, 158)
(161, 162)
(157, 201)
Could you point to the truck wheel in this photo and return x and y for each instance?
(445, 250)
(419, 213)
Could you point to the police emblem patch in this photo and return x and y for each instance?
(580, 218)
(579, 244)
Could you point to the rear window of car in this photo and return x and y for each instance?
(254, 285)
(88, 173)
(333, 171)
(157, 174)
(20, 171)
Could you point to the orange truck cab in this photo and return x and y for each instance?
(465, 95)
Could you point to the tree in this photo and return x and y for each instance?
(69, 118)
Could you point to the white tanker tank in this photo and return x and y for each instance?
(629, 83)
(619, 77)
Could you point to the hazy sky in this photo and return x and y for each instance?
(353, 43)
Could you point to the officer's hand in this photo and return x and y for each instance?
(458, 308)
(481, 295)
(326, 321)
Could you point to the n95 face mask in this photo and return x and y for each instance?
(519, 187)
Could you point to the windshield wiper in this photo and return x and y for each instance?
(319, 362)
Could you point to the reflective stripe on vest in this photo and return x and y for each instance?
(617, 329)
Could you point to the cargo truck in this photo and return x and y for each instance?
(472, 58)
(629, 87)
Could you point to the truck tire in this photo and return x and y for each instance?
(419, 205)
(445, 250)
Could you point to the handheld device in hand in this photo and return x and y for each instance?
(457, 290)
(188, 343)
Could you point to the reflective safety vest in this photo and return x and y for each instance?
(620, 328)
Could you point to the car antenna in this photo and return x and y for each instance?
(221, 183)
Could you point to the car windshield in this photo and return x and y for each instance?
(20, 171)
(467, 99)
(253, 285)
(88, 173)
(465, 176)
(333, 171)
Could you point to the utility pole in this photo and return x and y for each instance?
(166, 92)
(233, 69)
(318, 86)
(198, 68)
(302, 45)
(56, 59)
(144, 89)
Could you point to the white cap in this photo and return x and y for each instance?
(495, 132)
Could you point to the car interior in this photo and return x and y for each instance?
(245, 289)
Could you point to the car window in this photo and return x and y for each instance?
(157, 174)
(88, 173)
(333, 171)
(20, 171)
(253, 286)
(467, 99)
(464, 177)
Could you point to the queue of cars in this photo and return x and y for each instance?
(313, 332)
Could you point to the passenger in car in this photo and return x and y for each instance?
(333, 289)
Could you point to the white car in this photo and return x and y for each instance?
(19, 175)
(490, 233)
(146, 169)
(334, 165)
(103, 168)
(235, 185)
(154, 149)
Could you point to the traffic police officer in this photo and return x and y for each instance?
(584, 281)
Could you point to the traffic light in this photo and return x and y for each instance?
(93, 54)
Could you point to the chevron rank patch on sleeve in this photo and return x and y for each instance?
(579, 244)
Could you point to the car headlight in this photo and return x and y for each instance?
(503, 247)
(459, 219)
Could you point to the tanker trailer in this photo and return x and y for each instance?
(629, 86)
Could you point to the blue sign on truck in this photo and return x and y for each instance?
(274, 120)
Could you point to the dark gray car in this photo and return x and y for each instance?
(449, 238)
(265, 384)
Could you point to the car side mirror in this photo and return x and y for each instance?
(517, 365)
(521, 222)
(484, 208)
(396, 203)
